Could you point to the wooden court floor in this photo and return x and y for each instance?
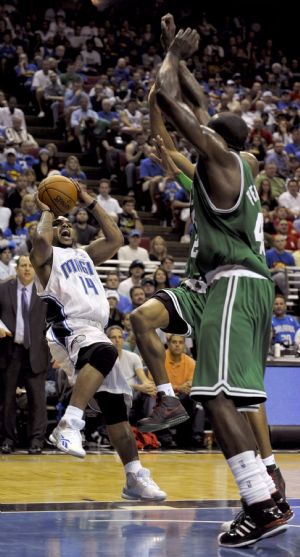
(56, 478)
(55, 505)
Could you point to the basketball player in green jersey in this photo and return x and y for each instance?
(236, 314)
(152, 315)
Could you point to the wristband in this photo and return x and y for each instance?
(91, 206)
(184, 181)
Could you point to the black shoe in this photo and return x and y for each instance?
(35, 449)
(283, 505)
(277, 478)
(8, 446)
(168, 412)
(269, 522)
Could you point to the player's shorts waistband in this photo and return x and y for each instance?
(225, 272)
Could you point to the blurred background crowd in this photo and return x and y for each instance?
(75, 83)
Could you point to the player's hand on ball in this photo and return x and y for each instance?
(82, 193)
(40, 205)
(168, 30)
(185, 43)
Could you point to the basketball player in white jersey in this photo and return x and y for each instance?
(77, 314)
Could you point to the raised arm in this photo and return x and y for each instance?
(190, 88)
(42, 251)
(104, 248)
(222, 168)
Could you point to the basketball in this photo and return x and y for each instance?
(59, 193)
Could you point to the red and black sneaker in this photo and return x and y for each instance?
(247, 531)
(168, 412)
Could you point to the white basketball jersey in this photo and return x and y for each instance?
(74, 290)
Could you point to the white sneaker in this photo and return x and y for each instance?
(41, 114)
(141, 487)
(67, 439)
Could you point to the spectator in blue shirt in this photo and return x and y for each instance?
(284, 327)
(72, 169)
(107, 113)
(277, 259)
(11, 168)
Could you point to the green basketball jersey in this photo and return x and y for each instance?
(227, 237)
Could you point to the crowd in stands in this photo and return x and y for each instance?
(86, 76)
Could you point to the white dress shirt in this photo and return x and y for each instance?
(109, 204)
(19, 334)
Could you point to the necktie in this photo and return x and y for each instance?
(25, 315)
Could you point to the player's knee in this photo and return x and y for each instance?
(140, 320)
(102, 356)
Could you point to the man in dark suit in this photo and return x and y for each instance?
(23, 355)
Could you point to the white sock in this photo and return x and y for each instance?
(134, 466)
(248, 477)
(166, 388)
(265, 476)
(73, 417)
(269, 461)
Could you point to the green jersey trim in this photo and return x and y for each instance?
(209, 201)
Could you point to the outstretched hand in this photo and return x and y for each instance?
(163, 158)
(185, 43)
(168, 30)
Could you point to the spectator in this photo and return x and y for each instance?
(85, 233)
(112, 283)
(11, 168)
(5, 212)
(29, 209)
(136, 270)
(291, 198)
(40, 81)
(108, 203)
(161, 279)
(16, 229)
(158, 249)
(72, 169)
(43, 167)
(25, 71)
(54, 96)
(277, 259)
(106, 112)
(90, 57)
(15, 196)
(112, 148)
(284, 327)
(180, 369)
(129, 219)
(280, 158)
(24, 247)
(7, 113)
(24, 356)
(82, 119)
(277, 183)
(148, 285)
(265, 194)
(137, 296)
(7, 267)
(131, 119)
(115, 315)
(133, 250)
(285, 228)
(293, 148)
(167, 264)
(135, 151)
(16, 135)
